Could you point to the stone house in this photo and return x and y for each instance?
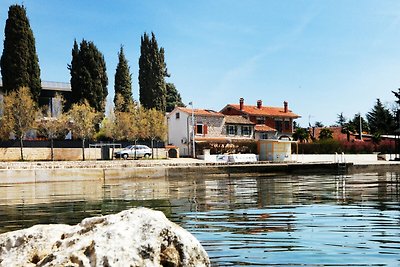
(270, 122)
(207, 126)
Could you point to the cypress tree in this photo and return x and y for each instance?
(19, 61)
(88, 76)
(152, 70)
(123, 82)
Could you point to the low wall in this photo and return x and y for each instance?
(355, 158)
(42, 153)
(60, 154)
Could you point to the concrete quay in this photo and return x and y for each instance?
(55, 171)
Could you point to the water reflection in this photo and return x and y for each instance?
(311, 220)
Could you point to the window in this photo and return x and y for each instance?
(287, 125)
(246, 131)
(278, 125)
(264, 136)
(260, 120)
(177, 115)
(199, 129)
(231, 129)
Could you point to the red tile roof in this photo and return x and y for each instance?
(201, 112)
(237, 119)
(264, 111)
(264, 128)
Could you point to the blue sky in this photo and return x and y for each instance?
(323, 57)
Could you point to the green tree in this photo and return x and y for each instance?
(152, 70)
(301, 134)
(83, 120)
(359, 124)
(348, 129)
(19, 61)
(122, 123)
(88, 76)
(173, 98)
(123, 82)
(380, 120)
(341, 119)
(318, 124)
(19, 114)
(325, 134)
(157, 129)
(397, 109)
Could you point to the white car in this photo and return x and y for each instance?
(138, 151)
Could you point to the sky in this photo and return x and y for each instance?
(324, 57)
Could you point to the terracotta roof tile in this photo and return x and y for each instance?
(201, 112)
(264, 128)
(232, 119)
(265, 111)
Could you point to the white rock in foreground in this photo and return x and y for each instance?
(135, 237)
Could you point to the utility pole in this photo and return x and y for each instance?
(361, 137)
(193, 132)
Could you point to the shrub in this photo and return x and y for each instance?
(331, 146)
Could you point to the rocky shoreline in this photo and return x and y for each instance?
(134, 237)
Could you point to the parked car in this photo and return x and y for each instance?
(138, 151)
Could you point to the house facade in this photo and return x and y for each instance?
(270, 122)
(207, 126)
(47, 94)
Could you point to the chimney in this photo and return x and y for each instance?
(259, 104)
(285, 107)
(241, 103)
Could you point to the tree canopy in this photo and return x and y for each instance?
(380, 120)
(19, 114)
(341, 119)
(83, 119)
(173, 98)
(301, 134)
(152, 70)
(88, 76)
(19, 61)
(123, 82)
(325, 134)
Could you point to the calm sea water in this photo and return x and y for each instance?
(308, 220)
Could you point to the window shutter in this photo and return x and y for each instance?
(195, 129)
(205, 129)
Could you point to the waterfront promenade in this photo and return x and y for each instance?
(54, 171)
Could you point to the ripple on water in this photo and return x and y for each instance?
(307, 220)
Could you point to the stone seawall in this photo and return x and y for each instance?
(102, 171)
(38, 172)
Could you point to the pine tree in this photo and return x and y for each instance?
(123, 82)
(173, 98)
(88, 76)
(152, 70)
(380, 119)
(19, 61)
(341, 119)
